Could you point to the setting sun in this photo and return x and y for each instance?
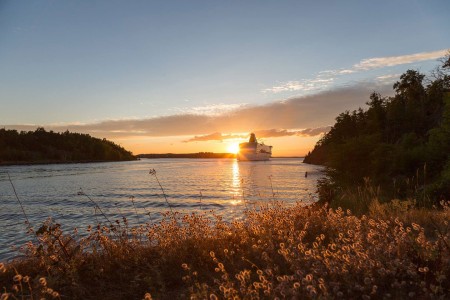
(233, 148)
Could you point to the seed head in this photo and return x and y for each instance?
(43, 281)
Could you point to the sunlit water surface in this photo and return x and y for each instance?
(191, 185)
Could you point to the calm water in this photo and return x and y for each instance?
(56, 191)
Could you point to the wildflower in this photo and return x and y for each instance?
(2, 268)
(185, 266)
(213, 297)
(26, 279)
(43, 281)
(17, 278)
(4, 296)
(147, 296)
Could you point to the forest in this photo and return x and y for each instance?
(41, 146)
(400, 144)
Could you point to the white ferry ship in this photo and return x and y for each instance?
(253, 150)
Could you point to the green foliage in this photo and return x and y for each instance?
(49, 146)
(404, 138)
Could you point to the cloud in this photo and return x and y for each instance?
(212, 109)
(320, 82)
(217, 136)
(314, 131)
(312, 111)
(267, 133)
(284, 132)
(388, 78)
(390, 61)
(325, 78)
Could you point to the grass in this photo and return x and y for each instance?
(276, 251)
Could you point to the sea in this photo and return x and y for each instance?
(76, 195)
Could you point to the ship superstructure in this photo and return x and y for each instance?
(254, 150)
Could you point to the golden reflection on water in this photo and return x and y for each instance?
(236, 183)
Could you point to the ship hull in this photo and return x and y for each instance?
(253, 156)
(254, 151)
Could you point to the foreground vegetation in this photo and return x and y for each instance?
(42, 146)
(401, 143)
(394, 252)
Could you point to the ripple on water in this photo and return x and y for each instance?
(190, 185)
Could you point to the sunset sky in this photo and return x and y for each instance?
(191, 76)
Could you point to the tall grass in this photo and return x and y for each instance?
(275, 251)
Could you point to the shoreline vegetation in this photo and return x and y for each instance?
(400, 144)
(56, 162)
(198, 155)
(48, 147)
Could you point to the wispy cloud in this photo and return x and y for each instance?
(312, 112)
(211, 109)
(320, 82)
(325, 78)
(284, 132)
(216, 136)
(388, 78)
(390, 61)
(267, 133)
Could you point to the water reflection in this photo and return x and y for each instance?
(190, 185)
(236, 181)
(236, 187)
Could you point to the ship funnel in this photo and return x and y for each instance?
(252, 138)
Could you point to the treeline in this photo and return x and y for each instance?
(52, 147)
(189, 155)
(401, 143)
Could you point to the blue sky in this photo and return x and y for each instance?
(88, 62)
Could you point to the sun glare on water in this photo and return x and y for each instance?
(233, 148)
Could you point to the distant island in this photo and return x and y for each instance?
(189, 155)
(41, 146)
(199, 155)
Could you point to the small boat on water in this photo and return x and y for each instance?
(254, 150)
